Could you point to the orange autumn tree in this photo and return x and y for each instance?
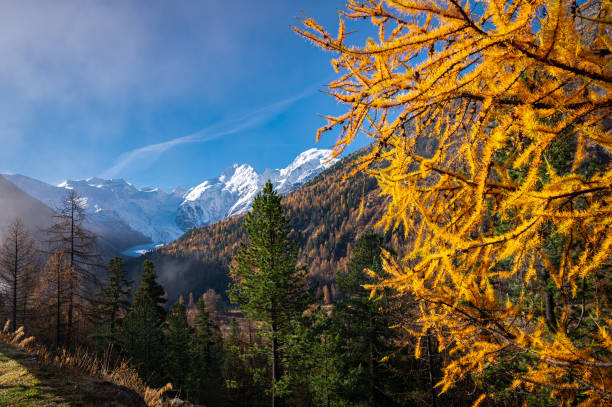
(493, 124)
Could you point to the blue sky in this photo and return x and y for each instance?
(160, 93)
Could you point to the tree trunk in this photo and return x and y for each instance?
(434, 399)
(373, 397)
(14, 321)
(549, 302)
(112, 321)
(276, 370)
(25, 287)
(57, 318)
(15, 275)
(70, 309)
(72, 274)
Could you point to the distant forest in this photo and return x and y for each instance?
(324, 218)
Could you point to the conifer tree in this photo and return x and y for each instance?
(113, 301)
(178, 336)
(235, 368)
(359, 331)
(206, 348)
(312, 359)
(149, 288)
(362, 329)
(16, 269)
(142, 331)
(268, 285)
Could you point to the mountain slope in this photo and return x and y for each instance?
(118, 210)
(148, 212)
(16, 203)
(113, 236)
(323, 216)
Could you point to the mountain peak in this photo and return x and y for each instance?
(105, 183)
(233, 192)
(162, 216)
(237, 172)
(315, 153)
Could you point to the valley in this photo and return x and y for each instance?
(171, 236)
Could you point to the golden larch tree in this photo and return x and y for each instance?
(493, 127)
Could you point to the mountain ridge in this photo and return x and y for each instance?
(239, 184)
(161, 217)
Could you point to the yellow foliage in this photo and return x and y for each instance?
(471, 105)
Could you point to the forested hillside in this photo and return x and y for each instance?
(324, 220)
(464, 258)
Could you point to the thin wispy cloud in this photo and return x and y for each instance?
(149, 154)
(85, 82)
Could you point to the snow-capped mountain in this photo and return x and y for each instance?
(306, 166)
(163, 217)
(215, 199)
(150, 212)
(233, 192)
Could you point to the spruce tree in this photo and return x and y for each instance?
(312, 361)
(268, 285)
(142, 333)
(206, 348)
(114, 303)
(359, 331)
(178, 336)
(150, 288)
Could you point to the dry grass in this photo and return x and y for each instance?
(78, 362)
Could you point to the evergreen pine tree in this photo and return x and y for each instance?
(178, 336)
(142, 333)
(269, 287)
